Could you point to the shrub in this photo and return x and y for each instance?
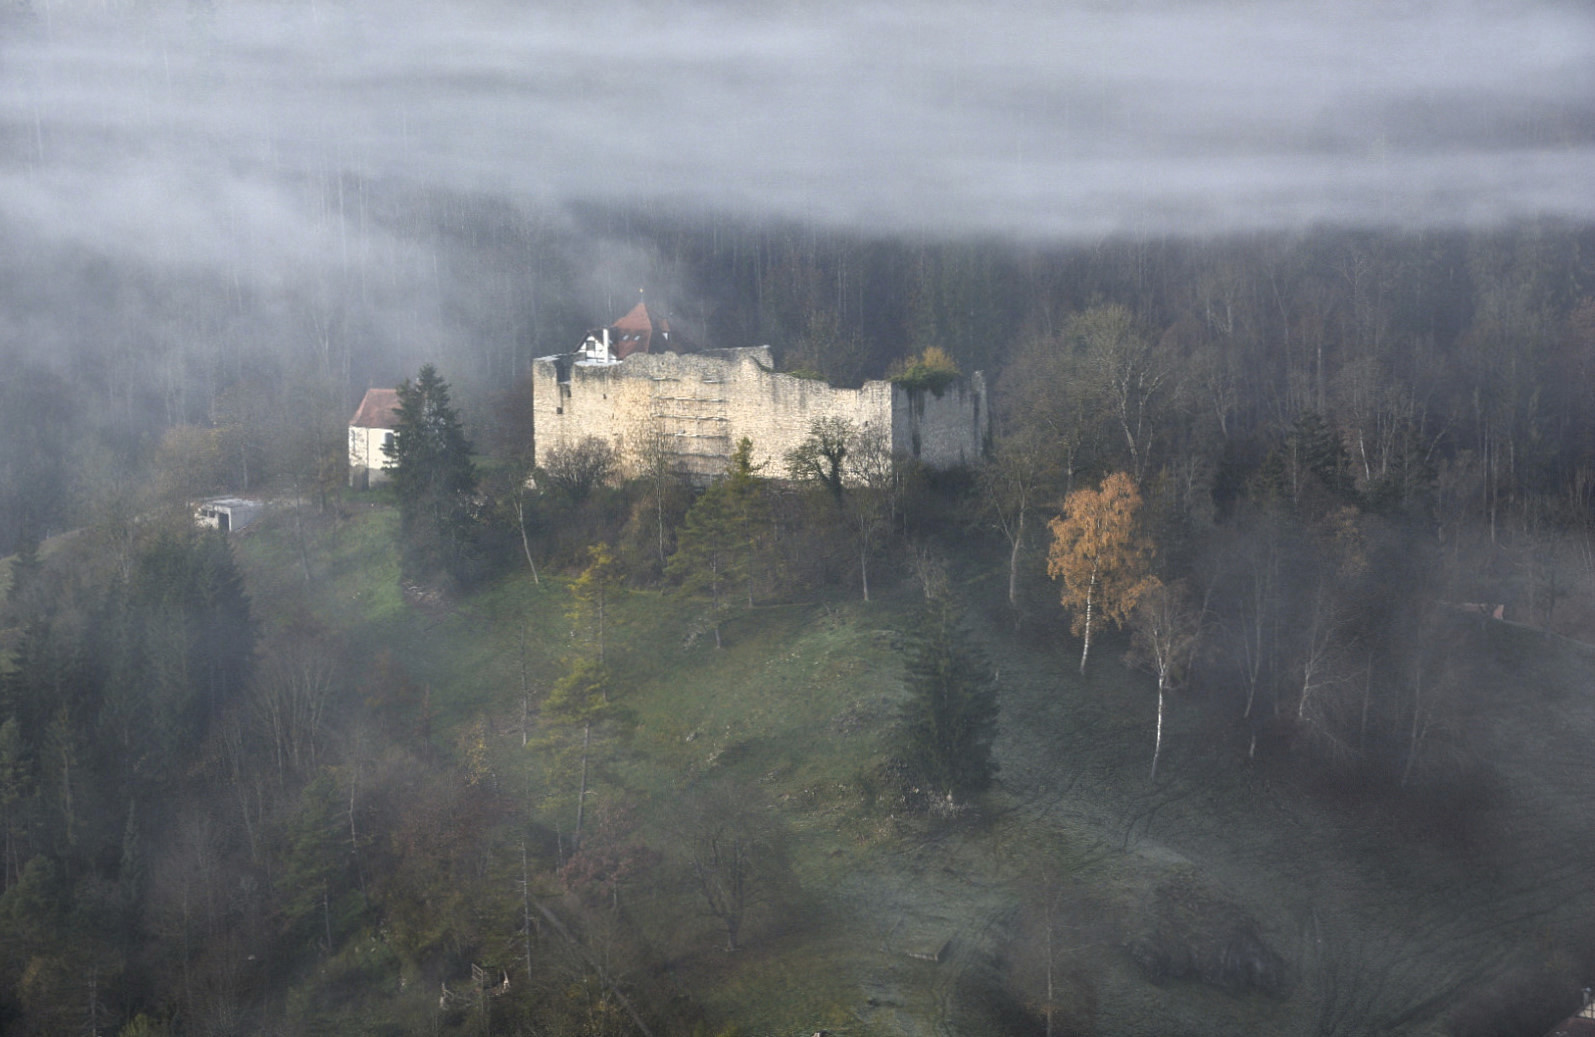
(932, 369)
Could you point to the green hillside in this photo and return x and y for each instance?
(1259, 901)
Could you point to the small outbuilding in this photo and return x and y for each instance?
(228, 514)
(370, 430)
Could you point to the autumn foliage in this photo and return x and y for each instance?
(1100, 556)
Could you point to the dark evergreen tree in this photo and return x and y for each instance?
(1313, 447)
(178, 640)
(704, 561)
(16, 788)
(950, 718)
(36, 437)
(718, 544)
(24, 565)
(318, 896)
(434, 479)
(579, 719)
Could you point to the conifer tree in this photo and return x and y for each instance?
(179, 642)
(950, 718)
(703, 562)
(747, 504)
(592, 598)
(579, 718)
(434, 479)
(1313, 447)
(16, 781)
(315, 883)
(717, 546)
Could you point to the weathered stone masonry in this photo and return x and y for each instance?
(698, 405)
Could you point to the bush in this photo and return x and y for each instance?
(576, 471)
(933, 369)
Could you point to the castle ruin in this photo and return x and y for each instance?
(694, 407)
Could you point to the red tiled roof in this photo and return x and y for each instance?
(636, 320)
(379, 409)
(633, 333)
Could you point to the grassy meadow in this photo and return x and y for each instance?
(1434, 911)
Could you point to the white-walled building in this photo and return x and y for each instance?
(228, 514)
(369, 430)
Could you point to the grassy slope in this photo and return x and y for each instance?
(1388, 918)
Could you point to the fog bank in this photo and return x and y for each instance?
(183, 133)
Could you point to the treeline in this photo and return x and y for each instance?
(217, 822)
(1476, 335)
(127, 651)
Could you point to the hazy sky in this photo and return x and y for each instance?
(171, 129)
(278, 152)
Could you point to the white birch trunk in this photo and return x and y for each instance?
(1157, 745)
(1090, 600)
(581, 792)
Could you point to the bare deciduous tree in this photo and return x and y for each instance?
(1018, 474)
(580, 468)
(655, 451)
(292, 690)
(869, 507)
(855, 465)
(734, 850)
(1165, 627)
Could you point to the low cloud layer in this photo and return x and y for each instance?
(183, 132)
(185, 185)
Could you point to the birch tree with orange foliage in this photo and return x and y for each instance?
(1100, 555)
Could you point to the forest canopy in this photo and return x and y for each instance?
(1338, 445)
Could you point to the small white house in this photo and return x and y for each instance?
(370, 429)
(227, 514)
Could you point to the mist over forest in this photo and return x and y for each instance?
(1316, 285)
(366, 188)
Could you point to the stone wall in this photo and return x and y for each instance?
(697, 406)
(943, 431)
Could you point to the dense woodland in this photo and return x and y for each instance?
(224, 816)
